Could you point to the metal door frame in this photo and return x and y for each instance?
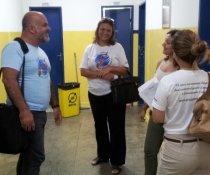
(131, 7)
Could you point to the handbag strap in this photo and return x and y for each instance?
(128, 73)
(208, 89)
(206, 95)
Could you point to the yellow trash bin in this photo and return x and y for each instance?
(68, 94)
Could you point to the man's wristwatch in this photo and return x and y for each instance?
(55, 106)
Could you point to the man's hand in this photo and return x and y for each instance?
(27, 120)
(57, 115)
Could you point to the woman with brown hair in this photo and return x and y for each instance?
(154, 134)
(102, 62)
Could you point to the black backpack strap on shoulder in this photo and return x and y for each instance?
(25, 50)
(23, 45)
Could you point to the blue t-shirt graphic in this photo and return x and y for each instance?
(102, 60)
(42, 68)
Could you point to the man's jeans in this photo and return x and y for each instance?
(31, 159)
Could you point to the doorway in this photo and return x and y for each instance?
(141, 47)
(123, 23)
(54, 49)
(204, 27)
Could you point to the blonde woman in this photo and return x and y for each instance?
(182, 154)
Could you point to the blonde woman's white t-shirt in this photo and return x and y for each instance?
(96, 58)
(176, 95)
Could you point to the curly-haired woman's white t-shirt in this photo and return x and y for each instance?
(97, 57)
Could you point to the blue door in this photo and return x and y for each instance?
(204, 26)
(123, 23)
(54, 48)
(141, 48)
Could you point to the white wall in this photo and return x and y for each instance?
(153, 14)
(84, 14)
(184, 13)
(10, 15)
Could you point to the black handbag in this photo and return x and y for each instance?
(125, 89)
(13, 138)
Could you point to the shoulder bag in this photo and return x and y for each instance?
(13, 139)
(125, 89)
(200, 124)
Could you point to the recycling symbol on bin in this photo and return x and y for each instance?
(72, 98)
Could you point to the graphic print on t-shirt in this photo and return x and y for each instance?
(42, 68)
(189, 91)
(102, 60)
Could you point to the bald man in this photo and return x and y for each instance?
(38, 90)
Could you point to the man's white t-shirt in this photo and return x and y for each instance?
(98, 57)
(176, 95)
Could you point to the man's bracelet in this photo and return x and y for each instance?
(55, 106)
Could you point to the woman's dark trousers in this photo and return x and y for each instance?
(153, 141)
(109, 128)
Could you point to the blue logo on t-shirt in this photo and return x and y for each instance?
(42, 68)
(102, 60)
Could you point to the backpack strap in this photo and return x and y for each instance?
(23, 45)
(25, 50)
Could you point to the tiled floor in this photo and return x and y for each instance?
(70, 147)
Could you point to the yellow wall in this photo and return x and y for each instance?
(153, 50)
(135, 54)
(75, 43)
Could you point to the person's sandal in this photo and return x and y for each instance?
(116, 170)
(97, 161)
